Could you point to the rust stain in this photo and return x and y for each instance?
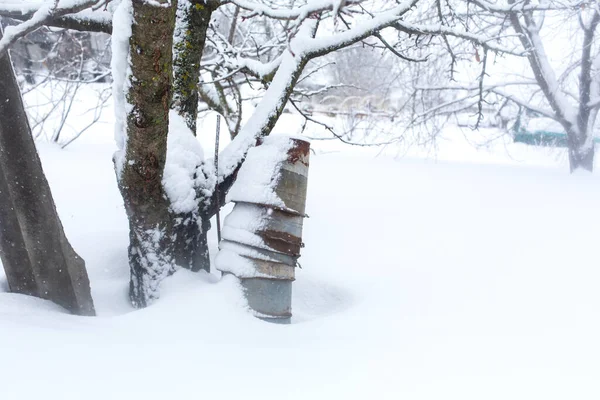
(299, 152)
(282, 241)
(283, 236)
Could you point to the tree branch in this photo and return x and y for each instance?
(41, 17)
(85, 21)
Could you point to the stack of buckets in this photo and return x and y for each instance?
(271, 252)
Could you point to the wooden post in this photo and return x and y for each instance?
(36, 255)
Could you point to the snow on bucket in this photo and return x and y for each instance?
(262, 237)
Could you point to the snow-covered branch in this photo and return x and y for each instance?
(256, 68)
(587, 89)
(522, 6)
(525, 104)
(475, 86)
(85, 21)
(542, 70)
(303, 47)
(595, 83)
(320, 46)
(298, 13)
(486, 41)
(476, 90)
(45, 13)
(270, 108)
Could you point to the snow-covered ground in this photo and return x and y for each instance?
(460, 273)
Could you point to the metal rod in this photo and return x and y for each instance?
(217, 181)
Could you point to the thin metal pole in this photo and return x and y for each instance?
(217, 173)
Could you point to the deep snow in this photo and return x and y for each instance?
(473, 276)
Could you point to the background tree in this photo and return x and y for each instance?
(56, 68)
(563, 87)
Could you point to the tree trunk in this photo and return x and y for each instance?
(152, 238)
(35, 252)
(581, 154)
(193, 18)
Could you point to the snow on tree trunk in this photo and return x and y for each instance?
(143, 41)
(188, 182)
(581, 151)
(35, 252)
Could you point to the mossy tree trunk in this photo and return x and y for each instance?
(151, 248)
(193, 18)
